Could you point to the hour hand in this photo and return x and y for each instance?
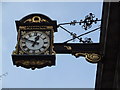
(36, 39)
(31, 41)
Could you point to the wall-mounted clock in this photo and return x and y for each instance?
(34, 48)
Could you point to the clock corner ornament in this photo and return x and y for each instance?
(34, 48)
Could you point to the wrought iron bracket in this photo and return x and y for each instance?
(86, 23)
(91, 52)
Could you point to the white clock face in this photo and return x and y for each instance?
(34, 42)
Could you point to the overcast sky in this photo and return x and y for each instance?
(69, 72)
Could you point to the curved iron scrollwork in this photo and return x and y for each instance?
(86, 40)
(88, 21)
(86, 24)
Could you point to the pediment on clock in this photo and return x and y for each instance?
(35, 18)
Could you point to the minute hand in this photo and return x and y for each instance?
(36, 39)
(31, 41)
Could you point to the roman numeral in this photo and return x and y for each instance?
(45, 42)
(36, 51)
(28, 50)
(39, 50)
(44, 38)
(29, 35)
(24, 47)
(43, 47)
(35, 34)
(23, 44)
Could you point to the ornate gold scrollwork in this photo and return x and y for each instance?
(14, 52)
(68, 47)
(46, 53)
(90, 57)
(36, 19)
(53, 52)
(28, 20)
(23, 32)
(21, 52)
(47, 32)
(32, 63)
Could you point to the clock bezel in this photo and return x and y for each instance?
(44, 52)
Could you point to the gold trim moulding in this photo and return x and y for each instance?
(34, 27)
(33, 63)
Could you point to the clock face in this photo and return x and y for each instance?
(34, 42)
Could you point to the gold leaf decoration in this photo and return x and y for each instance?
(22, 27)
(68, 47)
(47, 32)
(14, 52)
(33, 62)
(23, 32)
(35, 19)
(47, 53)
(28, 20)
(21, 52)
(91, 57)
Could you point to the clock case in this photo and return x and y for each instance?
(35, 22)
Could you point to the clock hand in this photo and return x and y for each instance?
(36, 39)
(31, 41)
